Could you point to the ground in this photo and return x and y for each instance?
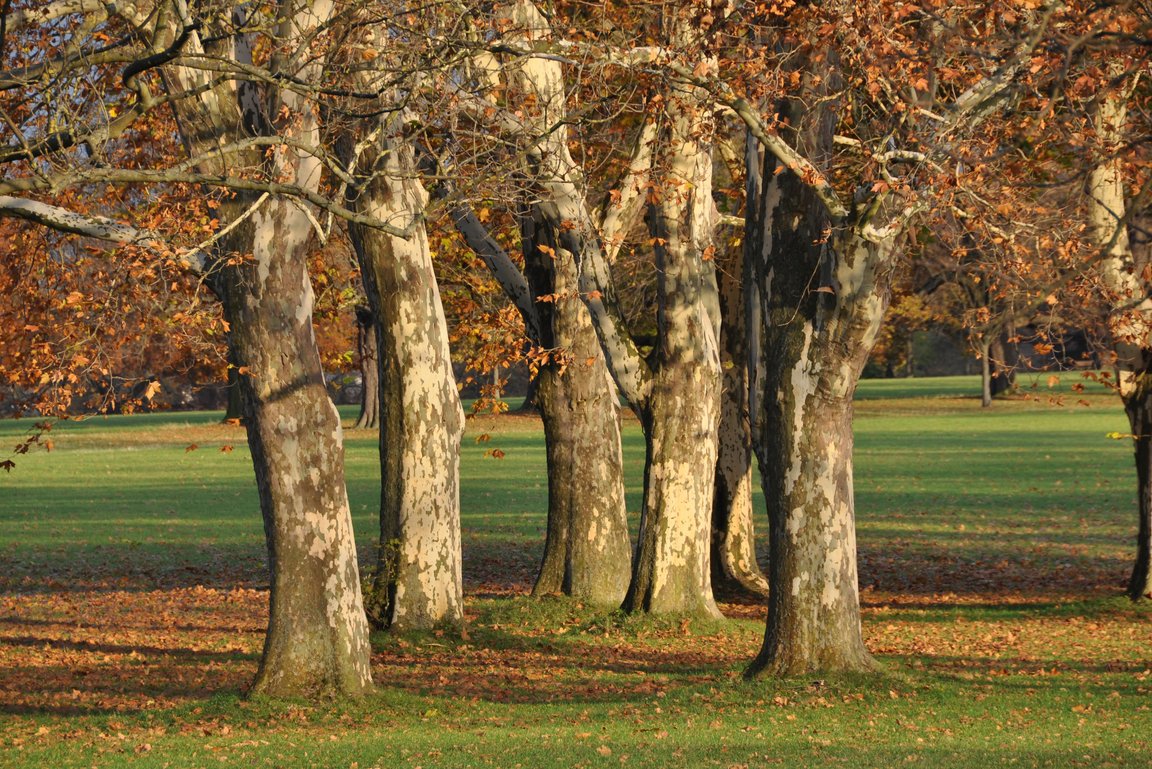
(994, 545)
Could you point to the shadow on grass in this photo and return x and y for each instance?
(94, 647)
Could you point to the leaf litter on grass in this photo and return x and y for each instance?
(123, 660)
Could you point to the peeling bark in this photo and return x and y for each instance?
(676, 397)
(1123, 265)
(823, 287)
(418, 577)
(587, 551)
(671, 572)
(676, 391)
(317, 640)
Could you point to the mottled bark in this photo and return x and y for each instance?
(1123, 268)
(680, 413)
(734, 565)
(366, 347)
(671, 572)
(418, 576)
(587, 550)
(823, 288)
(317, 640)
(815, 346)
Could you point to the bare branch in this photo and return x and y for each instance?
(147, 176)
(26, 17)
(98, 227)
(499, 263)
(619, 216)
(983, 97)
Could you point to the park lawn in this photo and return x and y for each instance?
(993, 544)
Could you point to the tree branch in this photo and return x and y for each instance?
(98, 227)
(145, 176)
(619, 216)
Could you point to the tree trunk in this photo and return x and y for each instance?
(1138, 406)
(234, 410)
(587, 551)
(985, 374)
(734, 565)
(671, 571)
(812, 361)
(530, 404)
(824, 286)
(1004, 358)
(317, 641)
(366, 346)
(681, 413)
(1123, 271)
(418, 578)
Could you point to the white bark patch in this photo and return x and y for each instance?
(795, 519)
(803, 384)
(264, 226)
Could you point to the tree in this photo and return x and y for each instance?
(733, 557)
(674, 390)
(317, 641)
(586, 553)
(1118, 217)
(418, 579)
(825, 228)
(368, 358)
(417, 583)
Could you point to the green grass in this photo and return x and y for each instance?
(1027, 383)
(992, 543)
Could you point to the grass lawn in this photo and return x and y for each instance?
(993, 546)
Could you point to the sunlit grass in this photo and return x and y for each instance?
(993, 543)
